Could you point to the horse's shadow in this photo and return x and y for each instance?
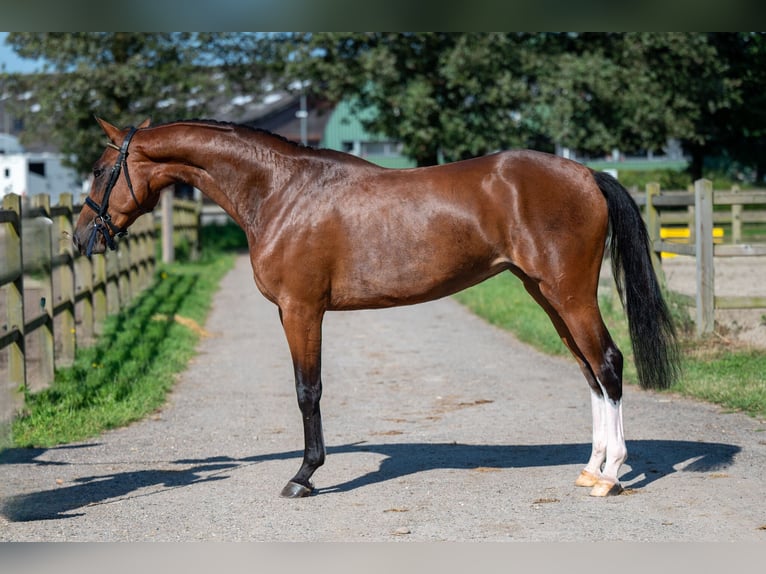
(649, 460)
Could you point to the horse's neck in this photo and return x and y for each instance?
(233, 171)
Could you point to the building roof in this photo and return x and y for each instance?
(284, 119)
(10, 144)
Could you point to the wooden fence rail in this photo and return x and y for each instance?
(53, 300)
(700, 216)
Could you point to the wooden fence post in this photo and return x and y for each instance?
(140, 253)
(168, 250)
(150, 251)
(112, 266)
(101, 287)
(736, 219)
(46, 336)
(65, 299)
(703, 207)
(84, 295)
(123, 274)
(653, 226)
(134, 256)
(691, 218)
(197, 223)
(14, 306)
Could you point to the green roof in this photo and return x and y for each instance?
(344, 125)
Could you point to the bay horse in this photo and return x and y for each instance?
(329, 231)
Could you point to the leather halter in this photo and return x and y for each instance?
(102, 223)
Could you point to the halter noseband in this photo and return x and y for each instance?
(102, 223)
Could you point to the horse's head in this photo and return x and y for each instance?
(120, 192)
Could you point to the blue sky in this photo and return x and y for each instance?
(10, 62)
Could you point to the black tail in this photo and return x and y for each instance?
(651, 327)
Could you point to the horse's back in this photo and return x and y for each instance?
(415, 235)
(372, 237)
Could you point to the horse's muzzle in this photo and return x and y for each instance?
(78, 242)
(89, 240)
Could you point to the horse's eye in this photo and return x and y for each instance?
(98, 172)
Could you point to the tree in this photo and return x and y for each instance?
(457, 95)
(123, 77)
(697, 87)
(744, 135)
(632, 91)
(577, 89)
(443, 95)
(466, 94)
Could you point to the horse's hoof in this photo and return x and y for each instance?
(606, 487)
(587, 479)
(295, 490)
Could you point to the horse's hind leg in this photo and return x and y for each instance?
(303, 329)
(609, 452)
(580, 326)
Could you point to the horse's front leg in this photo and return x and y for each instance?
(303, 328)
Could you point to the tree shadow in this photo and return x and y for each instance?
(62, 502)
(649, 461)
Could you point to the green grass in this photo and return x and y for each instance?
(732, 379)
(128, 372)
(729, 376)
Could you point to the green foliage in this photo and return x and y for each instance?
(128, 372)
(222, 238)
(445, 96)
(123, 77)
(465, 94)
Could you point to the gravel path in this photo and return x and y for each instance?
(438, 427)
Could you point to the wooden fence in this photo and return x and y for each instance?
(695, 210)
(53, 300)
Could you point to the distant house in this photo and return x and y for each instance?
(344, 132)
(27, 174)
(322, 125)
(293, 118)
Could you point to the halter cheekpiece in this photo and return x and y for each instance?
(102, 223)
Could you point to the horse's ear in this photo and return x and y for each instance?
(145, 123)
(112, 132)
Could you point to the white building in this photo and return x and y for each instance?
(28, 174)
